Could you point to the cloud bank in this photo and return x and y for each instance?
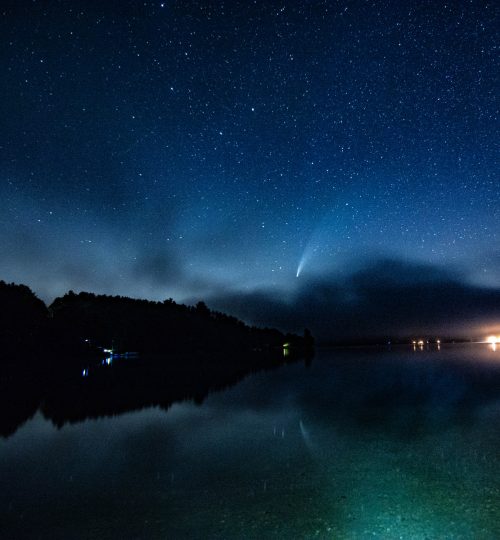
(385, 298)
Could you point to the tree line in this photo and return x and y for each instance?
(84, 323)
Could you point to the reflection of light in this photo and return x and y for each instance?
(85, 373)
(493, 340)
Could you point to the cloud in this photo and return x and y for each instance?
(159, 269)
(386, 297)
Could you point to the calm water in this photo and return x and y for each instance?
(360, 444)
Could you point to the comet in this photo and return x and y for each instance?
(322, 236)
(310, 249)
(299, 268)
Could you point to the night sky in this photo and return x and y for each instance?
(323, 164)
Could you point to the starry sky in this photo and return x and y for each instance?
(324, 164)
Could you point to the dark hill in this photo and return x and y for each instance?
(156, 327)
(78, 324)
(23, 320)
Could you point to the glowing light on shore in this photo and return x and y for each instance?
(419, 344)
(492, 341)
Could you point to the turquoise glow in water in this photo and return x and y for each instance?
(361, 444)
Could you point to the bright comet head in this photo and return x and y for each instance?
(299, 268)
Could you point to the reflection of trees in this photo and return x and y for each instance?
(185, 353)
(127, 384)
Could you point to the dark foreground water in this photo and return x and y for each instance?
(360, 444)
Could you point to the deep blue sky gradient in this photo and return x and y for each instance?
(210, 149)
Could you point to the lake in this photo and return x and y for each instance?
(360, 443)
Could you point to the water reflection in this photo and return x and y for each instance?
(360, 444)
(119, 384)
